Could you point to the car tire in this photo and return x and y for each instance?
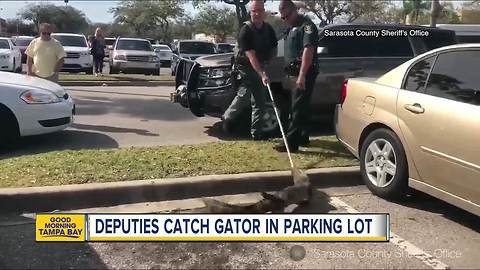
(383, 164)
(113, 70)
(89, 71)
(10, 133)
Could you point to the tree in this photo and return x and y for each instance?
(413, 9)
(371, 11)
(147, 15)
(446, 14)
(19, 27)
(240, 7)
(182, 28)
(216, 21)
(65, 19)
(327, 11)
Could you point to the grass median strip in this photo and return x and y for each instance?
(95, 166)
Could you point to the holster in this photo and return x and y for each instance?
(293, 68)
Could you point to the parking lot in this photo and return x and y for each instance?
(112, 117)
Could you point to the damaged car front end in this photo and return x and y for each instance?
(205, 85)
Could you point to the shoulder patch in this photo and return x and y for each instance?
(308, 29)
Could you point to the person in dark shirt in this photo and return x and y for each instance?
(257, 44)
(301, 68)
(98, 51)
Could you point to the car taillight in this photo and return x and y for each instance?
(344, 92)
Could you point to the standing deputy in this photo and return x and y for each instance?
(257, 44)
(301, 68)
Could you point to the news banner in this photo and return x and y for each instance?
(208, 227)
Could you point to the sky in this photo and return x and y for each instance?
(96, 11)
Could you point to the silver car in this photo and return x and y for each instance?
(134, 55)
(164, 53)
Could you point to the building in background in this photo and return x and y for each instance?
(470, 16)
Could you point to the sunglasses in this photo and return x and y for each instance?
(46, 33)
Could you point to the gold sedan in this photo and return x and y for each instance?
(418, 126)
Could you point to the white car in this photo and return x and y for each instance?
(164, 53)
(78, 57)
(31, 106)
(10, 56)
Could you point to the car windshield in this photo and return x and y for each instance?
(225, 47)
(109, 41)
(71, 41)
(162, 48)
(197, 48)
(4, 44)
(23, 41)
(134, 45)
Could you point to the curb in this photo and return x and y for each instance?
(67, 197)
(116, 83)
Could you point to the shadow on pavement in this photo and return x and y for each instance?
(63, 140)
(18, 249)
(148, 109)
(117, 93)
(241, 131)
(425, 202)
(100, 128)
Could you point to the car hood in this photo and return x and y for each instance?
(215, 60)
(135, 53)
(76, 49)
(8, 78)
(5, 51)
(193, 56)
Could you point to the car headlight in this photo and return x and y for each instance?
(84, 53)
(4, 56)
(154, 59)
(120, 57)
(215, 73)
(214, 77)
(38, 96)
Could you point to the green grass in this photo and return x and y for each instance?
(94, 166)
(114, 77)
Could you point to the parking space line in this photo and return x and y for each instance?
(398, 241)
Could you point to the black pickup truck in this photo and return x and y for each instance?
(345, 51)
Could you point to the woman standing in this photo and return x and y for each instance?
(98, 51)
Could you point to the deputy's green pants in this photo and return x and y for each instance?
(250, 91)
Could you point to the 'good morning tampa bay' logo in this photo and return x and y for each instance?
(60, 227)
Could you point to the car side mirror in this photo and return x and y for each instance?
(322, 50)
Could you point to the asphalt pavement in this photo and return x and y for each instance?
(113, 117)
(427, 234)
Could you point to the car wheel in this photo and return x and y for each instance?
(383, 164)
(10, 134)
(113, 70)
(89, 71)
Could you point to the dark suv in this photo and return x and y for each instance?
(190, 50)
(205, 85)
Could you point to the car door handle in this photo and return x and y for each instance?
(415, 108)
